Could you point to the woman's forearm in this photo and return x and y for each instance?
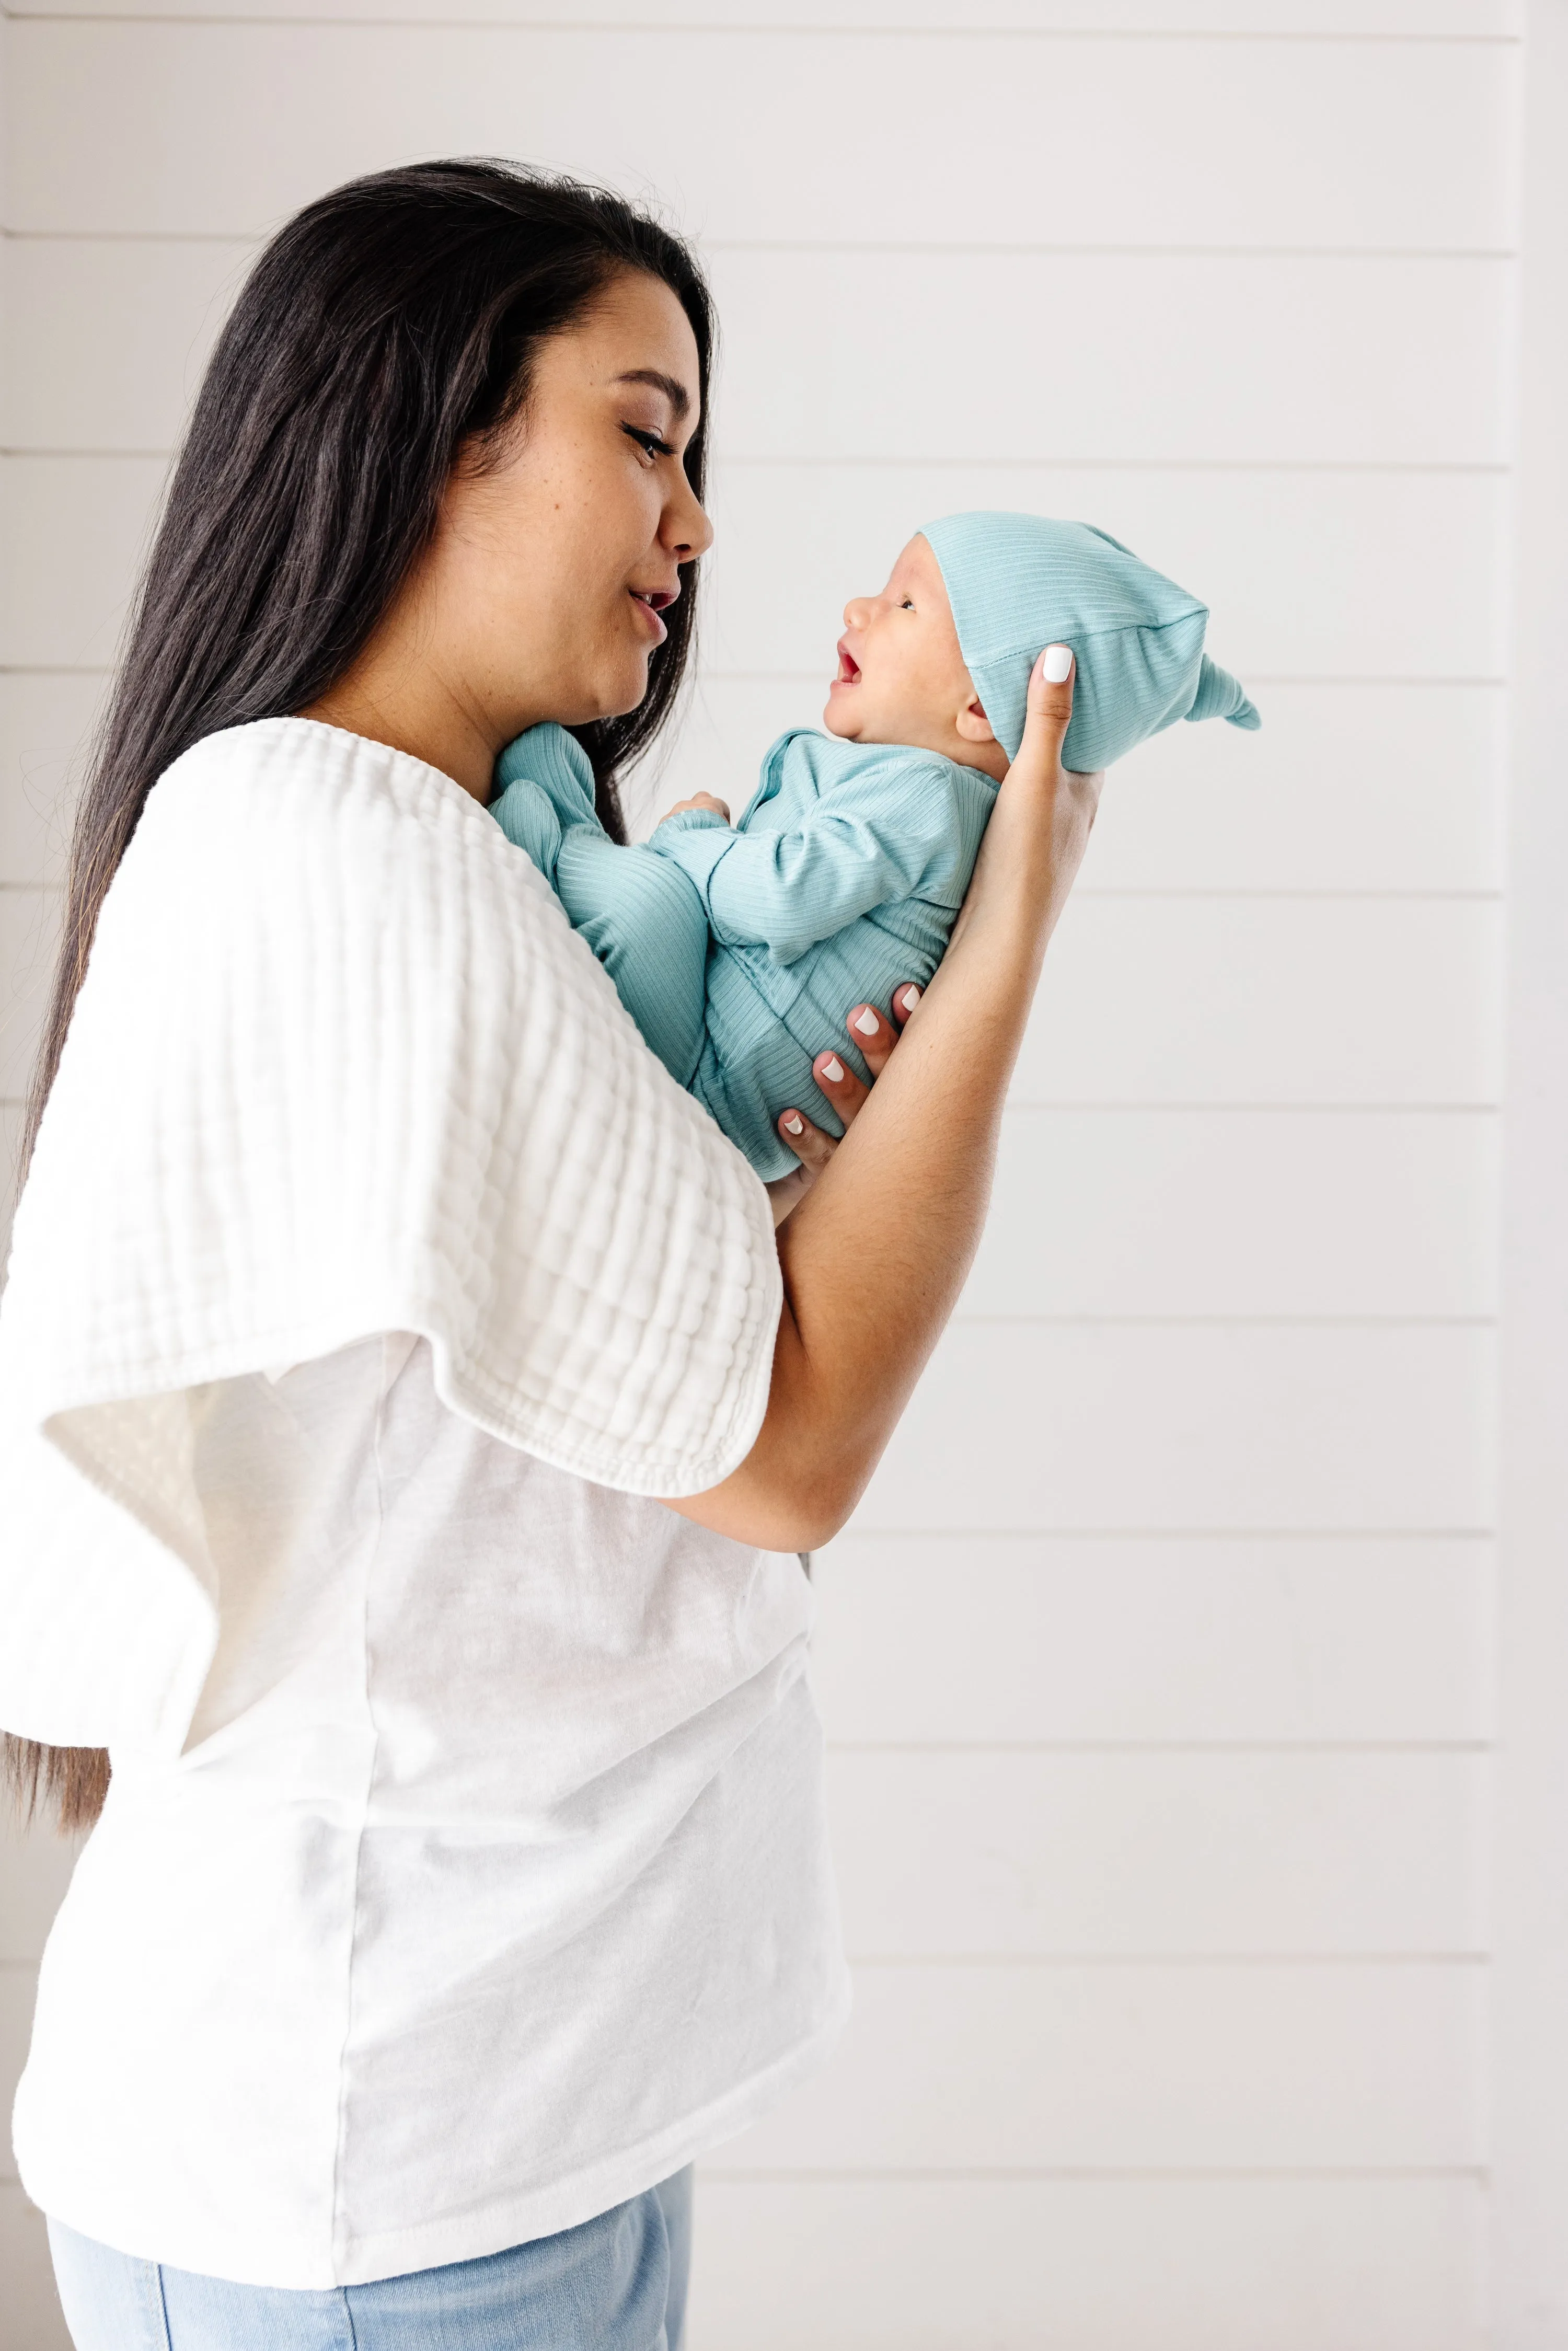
(875, 1255)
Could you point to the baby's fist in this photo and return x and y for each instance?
(698, 800)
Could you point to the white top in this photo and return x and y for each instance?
(340, 1065)
(491, 1886)
(463, 1870)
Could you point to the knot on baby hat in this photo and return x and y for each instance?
(1016, 582)
(1219, 695)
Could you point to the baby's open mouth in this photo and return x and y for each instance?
(848, 668)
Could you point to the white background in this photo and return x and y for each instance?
(1157, 1665)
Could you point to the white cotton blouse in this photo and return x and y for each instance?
(464, 1869)
(491, 1885)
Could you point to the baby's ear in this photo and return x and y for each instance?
(972, 723)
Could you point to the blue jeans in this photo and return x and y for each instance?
(618, 2283)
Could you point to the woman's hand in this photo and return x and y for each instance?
(876, 1253)
(876, 1035)
(1040, 828)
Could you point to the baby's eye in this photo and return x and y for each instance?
(908, 605)
(649, 442)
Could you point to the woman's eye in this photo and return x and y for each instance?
(649, 442)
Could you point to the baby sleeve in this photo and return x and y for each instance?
(525, 815)
(871, 840)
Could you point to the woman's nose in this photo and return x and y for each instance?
(687, 532)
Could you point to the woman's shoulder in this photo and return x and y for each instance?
(294, 797)
(328, 762)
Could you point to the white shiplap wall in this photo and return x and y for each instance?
(1156, 1663)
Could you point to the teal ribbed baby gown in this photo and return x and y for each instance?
(739, 952)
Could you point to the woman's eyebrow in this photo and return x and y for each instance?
(674, 391)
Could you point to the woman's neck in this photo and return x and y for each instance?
(409, 708)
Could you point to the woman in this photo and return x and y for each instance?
(409, 1418)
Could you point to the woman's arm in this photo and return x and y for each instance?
(874, 1255)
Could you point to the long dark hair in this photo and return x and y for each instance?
(387, 328)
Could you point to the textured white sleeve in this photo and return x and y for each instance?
(340, 1066)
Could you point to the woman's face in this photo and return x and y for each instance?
(540, 596)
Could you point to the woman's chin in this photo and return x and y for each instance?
(620, 686)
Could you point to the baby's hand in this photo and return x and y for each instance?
(697, 800)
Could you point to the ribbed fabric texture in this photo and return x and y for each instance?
(1019, 582)
(359, 1077)
(644, 922)
(739, 951)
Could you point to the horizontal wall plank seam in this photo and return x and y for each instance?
(812, 677)
(1260, 1109)
(1047, 1533)
(847, 245)
(1123, 35)
(1193, 893)
(1058, 460)
(988, 248)
(1263, 1106)
(9, 236)
(1226, 1321)
(1391, 1110)
(991, 247)
(1249, 1109)
(1310, 1747)
(1040, 1961)
(1111, 2175)
(1327, 895)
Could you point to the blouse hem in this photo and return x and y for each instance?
(495, 2226)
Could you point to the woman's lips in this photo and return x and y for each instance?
(650, 603)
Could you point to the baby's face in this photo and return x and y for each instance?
(901, 678)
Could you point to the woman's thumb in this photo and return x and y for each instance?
(1049, 701)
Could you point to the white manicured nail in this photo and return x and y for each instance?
(833, 1070)
(911, 996)
(794, 1125)
(866, 1023)
(1055, 662)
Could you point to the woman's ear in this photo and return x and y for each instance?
(972, 723)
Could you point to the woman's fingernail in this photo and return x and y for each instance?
(911, 996)
(866, 1023)
(793, 1123)
(833, 1070)
(1055, 662)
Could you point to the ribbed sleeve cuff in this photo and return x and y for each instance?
(696, 841)
(689, 820)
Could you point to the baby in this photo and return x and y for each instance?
(738, 948)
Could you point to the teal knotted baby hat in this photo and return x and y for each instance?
(1017, 582)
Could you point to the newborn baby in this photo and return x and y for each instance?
(736, 948)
